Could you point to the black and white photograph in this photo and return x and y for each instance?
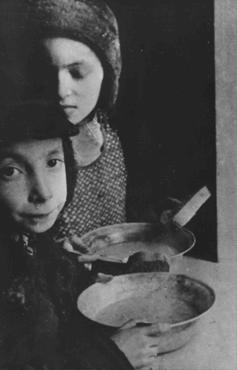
(118, 185)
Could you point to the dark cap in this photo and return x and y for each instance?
(35, 119)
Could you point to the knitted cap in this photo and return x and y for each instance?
(91, 22)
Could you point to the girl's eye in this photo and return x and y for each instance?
(9, 172)
(77, 72)
(54, 162)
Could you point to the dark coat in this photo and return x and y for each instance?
(40, 327)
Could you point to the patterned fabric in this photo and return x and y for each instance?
(99, 197)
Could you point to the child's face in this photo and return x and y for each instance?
(79, 76)
(33, 186)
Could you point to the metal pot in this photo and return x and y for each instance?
(123, 240)
(163, 300)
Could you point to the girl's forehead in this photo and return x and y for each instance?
(67, 50)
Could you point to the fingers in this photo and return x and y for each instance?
(151, 351)
(84, 258)
(149, 362)
(140, 348)
(88, 258)
(154, 342)
(67, 245)
(147, 367)
(166, 216)
(149, 330)
(159, 328)
(103, 278)
(131, 323)
(88, 254)
(79, 244)
(146, 328)
(147, 357)
(88, 266)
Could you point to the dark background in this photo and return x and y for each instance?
(166, 109)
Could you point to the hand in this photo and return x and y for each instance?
(167, 214)
(80, 250)
(88, 255)
(138, 343)
(103, 278)
(77, 245)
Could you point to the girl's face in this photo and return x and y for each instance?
(33, 186)
(79, 76)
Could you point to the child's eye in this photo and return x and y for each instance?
(55, 162)
(9, 172)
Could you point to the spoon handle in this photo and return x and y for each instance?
(95, 257)
(191, 207)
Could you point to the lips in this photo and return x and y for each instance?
(37, 215)
(69, 110)
(68, 106)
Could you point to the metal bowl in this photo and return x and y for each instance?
(123, 240)
(175, 302)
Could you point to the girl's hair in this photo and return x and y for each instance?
(39, 120)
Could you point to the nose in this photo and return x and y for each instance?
(64, 84)
(40, 190)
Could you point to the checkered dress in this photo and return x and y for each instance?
(99, 196)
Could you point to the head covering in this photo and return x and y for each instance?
(91, 22)
(34, 119)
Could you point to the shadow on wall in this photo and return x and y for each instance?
(166, 109)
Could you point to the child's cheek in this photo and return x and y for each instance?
(12, 195)
(59, 186)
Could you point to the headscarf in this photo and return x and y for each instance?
(91, 22)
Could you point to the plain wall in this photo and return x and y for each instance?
(226, 123)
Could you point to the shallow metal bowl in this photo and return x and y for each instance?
(175, 302)
(122, 240)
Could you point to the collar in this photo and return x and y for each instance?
(26, 241)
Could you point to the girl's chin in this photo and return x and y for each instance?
(74, 118)
(78, 118)
(39, 226)
(37, 229)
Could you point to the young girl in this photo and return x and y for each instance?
(40, 327)
(76, 60)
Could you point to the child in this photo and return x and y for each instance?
(40, 282)
(76, 60)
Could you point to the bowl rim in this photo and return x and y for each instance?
(144, 224)
(170, 325)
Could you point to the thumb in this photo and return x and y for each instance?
(130, 323)
(159, 327)
(103, 278)
(88, 258)
(78, 244)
